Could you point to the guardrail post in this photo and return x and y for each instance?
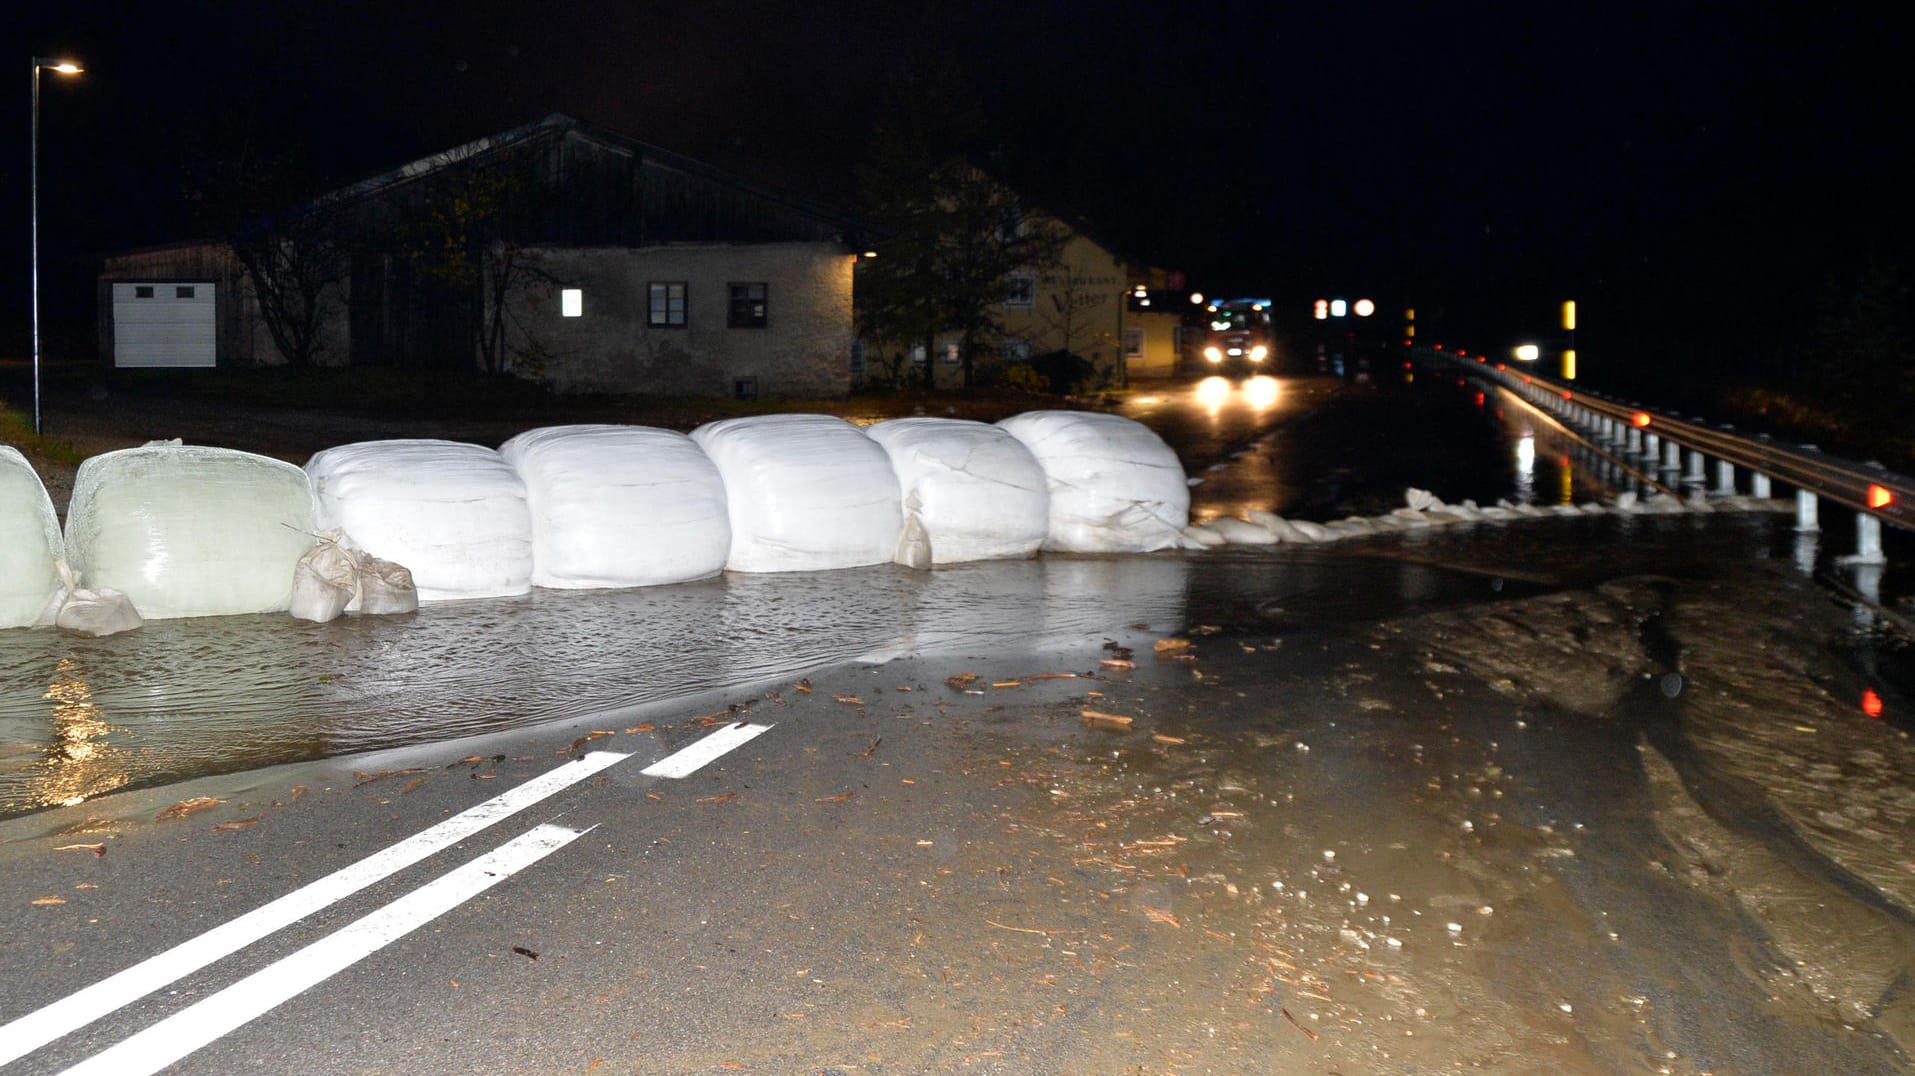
(1725, 477)
(1651, 446)
(1671, 456)
(1635, 441)
(1868, 540)
(1694, 475)
(1759, 485)
(1805, 507)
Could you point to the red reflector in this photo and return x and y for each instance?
(1879, 497)
(1462, 351)
(1525, 379)
(1871, 702)
(1567, 396)
(1480, 358)
(1501, 366)
(1479, 399)
(1406, 366)
(1640, 419)
(1439, 347)
(1460, 382)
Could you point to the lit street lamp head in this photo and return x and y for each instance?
(64, 67)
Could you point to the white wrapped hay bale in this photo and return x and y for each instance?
(190, 530)
(804, 493)
(30, 547)
(1115, 486)
(620, 506)
(453, 513)
(976, 491)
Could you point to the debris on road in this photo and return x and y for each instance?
(186, 807)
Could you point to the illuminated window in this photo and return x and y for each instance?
(747, 307)
(572, 303)
(667, 305)
(1020, 291)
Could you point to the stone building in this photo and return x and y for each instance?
(559, 251)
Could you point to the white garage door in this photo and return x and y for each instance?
(163, 324)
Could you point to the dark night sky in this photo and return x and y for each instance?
(1695, 175)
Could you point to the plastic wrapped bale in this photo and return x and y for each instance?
(453, 513)
(804, 493)
(975, 491)
(1115, 487)
(30, 547)
(620, 506)
(189, 530)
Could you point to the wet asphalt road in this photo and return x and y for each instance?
(1397, 806)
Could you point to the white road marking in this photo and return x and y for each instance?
(690, 760)
(75, 1011)
(259, 993)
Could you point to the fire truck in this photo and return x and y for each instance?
(1230, 338)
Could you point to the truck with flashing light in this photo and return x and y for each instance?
(1230, 338)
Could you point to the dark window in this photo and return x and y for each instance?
(1020, 291)
(142, 291)
(184, 291)
(667, 306)
(747, 306)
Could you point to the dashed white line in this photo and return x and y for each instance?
(690, 760)
(75, 1011)
(259, 993)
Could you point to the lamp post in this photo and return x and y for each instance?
(64, 67)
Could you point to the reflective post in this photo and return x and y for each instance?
(1759, 485)
(1671, 456)
(1725, 477)
(1868, 540)
(1805, 511)
(1694, 475)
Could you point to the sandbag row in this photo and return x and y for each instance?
(194, 531)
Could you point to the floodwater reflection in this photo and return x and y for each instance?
(80, 717)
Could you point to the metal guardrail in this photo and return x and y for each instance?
(1867, 488)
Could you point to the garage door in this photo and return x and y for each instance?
(163, 324)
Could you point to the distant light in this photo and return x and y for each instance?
(1339, 308)
(1462, 353)
(1259, 353)
(65, 67)
(1879, 497)
(870, 253)
(1214, 354)
(1871, 702)
(1527, 352)
(1256, 308)
(1438, 347)
(1569, 364)
(1569, 314)
(1212, 308)
(1322, 309)
(1364, 308)
(1143, 302)
(1410, 314)
(1409, 330)
(1407, 341)
(1197, 297)
(572, 303)
(1640, 419)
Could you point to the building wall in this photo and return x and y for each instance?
(1078, 306)
(804, 350)
(1159, 329)
(242, 338)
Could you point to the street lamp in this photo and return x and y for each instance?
(64, 67)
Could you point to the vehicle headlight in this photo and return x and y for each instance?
(1213, 354)
(1258, 353)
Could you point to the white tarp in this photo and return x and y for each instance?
(620, 506)
(30, 547)
(804, 493)
(453, 513)
(976, 491)
(1115, 487)
(190, 530)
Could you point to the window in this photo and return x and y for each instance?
(571, 302)
(747, 306)
(142, 291)
(667, 307)
(1017, 349)
(1133, 343)
(1020, 291)
(184, 291)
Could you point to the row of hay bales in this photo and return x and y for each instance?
(198, 531)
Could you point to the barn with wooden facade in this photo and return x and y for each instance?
(560, 251)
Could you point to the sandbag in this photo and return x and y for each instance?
(620, 506)
(90, 611)
(30, 544)
(1115, 487)
(325, 581)
(974, 491)
(190, 530)
(384, 588)
(804, 493)
(454, 514)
